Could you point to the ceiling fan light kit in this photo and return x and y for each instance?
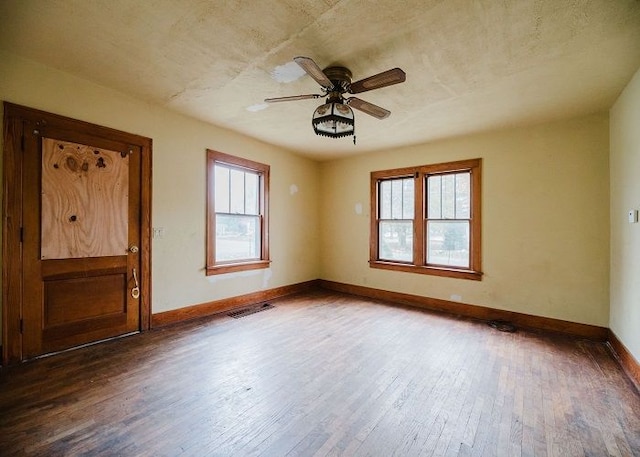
(335, 119)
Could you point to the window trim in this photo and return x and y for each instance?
(419, 265)
(263, 170)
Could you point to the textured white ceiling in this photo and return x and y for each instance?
(471, 65)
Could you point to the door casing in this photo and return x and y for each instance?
(16, 121)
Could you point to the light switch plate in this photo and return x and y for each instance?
(633, 216)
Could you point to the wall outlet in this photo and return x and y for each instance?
(158, 232)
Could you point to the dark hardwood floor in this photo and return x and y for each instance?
(323, 374)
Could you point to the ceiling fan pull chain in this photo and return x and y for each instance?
(354, 138)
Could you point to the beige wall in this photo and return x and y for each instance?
(545, 220)
(179, 145)
(625, 237)
(545, 205)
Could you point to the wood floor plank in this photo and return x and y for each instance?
(323, 374)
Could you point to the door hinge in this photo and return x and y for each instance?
(21, 325)
(22, 234)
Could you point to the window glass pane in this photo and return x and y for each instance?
(396, 199)
(237, 237)
(396, 241)
(463, 195)
(407, 198)
(237, 192)
(251, 193)
(434, 209)
(385, 199)
(448, 243)
(221, 189)
(448, 197)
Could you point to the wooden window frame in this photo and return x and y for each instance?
(263, 171)
(419, 263)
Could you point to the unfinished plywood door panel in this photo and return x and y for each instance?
(79, 270)
(85, 192)
(83, 211)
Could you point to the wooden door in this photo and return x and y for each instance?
(84, 244)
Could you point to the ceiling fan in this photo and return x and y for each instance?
(335, 118)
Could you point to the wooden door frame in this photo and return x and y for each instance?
(16, 119)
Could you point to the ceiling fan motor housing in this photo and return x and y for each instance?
(340, 77)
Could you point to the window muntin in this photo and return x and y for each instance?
(237, 229)
(426, 219)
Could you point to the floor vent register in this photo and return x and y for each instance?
(251, 310)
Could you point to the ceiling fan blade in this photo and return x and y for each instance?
(314, 71)
(384, 79)
(369, 108)
(292, 98)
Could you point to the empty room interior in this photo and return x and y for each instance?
(337, 227)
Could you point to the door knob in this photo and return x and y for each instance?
(133, 249)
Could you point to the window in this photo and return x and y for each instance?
(427, 219)
(237, 214)
(395, 232)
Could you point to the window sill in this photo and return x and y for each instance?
(425, 270)
(233, 267)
